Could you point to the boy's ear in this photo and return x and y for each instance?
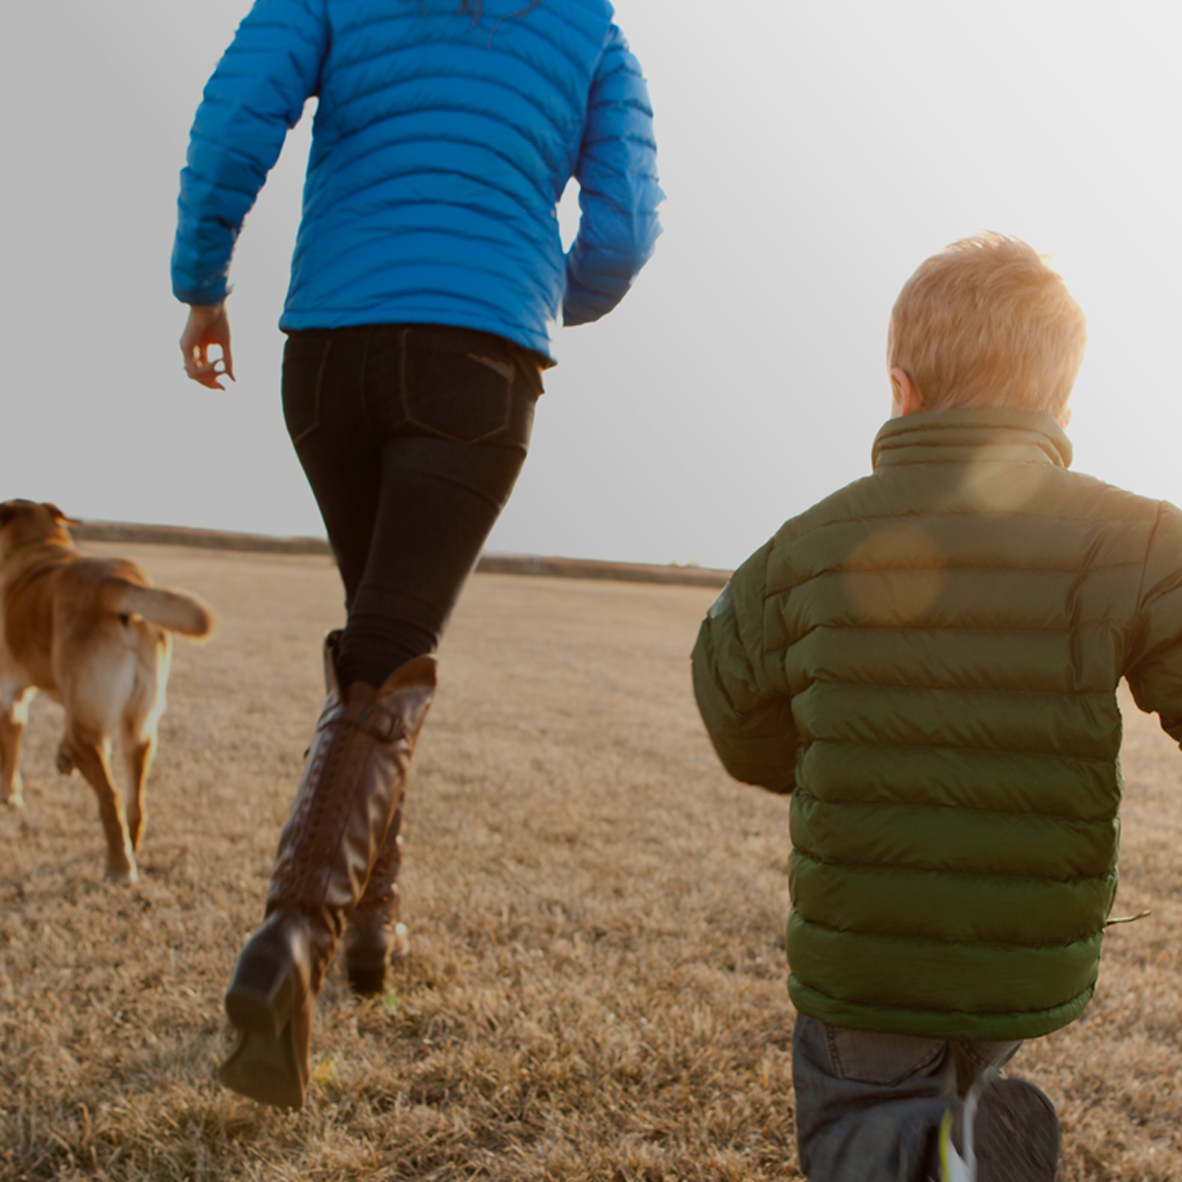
(905, 396)
(1063, 418)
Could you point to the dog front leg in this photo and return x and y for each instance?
(90, 755)
(12, 731)
(11, 788)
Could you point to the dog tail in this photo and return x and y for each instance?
(176, 611)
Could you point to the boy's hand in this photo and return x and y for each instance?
(207, 326)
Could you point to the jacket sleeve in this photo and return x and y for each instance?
(255, 96)
(619, 193)
(748, 721)
(1154, 669)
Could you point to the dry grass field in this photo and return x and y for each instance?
(596, 989)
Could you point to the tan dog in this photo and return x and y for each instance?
(93, 634)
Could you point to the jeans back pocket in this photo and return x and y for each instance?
(875, 1058)
(458, 390)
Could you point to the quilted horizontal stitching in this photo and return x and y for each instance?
(959, 630)
(970, 1014)
(1098, 760)
(433, 233)
(493, 267)
(910, 687)
(943, 940)
(945, 873)
(965, 630)
(358, 45)
(537, 28)
(842, 572)
(904, 567)
(780, 592)
(410, 172)
(1007, 750)
(540, 123)
(469, 155)
(803, 793)
(1057, 518)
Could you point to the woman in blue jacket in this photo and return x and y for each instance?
(427, 279)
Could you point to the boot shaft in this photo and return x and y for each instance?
(352, 785)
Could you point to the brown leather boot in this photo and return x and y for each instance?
(352, 786)
(373, 935)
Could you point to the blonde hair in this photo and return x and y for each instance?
(987, 322)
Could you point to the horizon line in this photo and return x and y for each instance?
(490, 562)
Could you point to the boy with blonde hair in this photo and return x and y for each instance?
(927, 660)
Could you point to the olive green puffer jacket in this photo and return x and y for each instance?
(928, 660)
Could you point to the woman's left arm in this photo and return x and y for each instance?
(619, 191)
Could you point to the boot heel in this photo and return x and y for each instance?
(263, 992)
(367, 979)
(266, 1062)
(266, 1068)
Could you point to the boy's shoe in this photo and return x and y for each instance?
(1006, 1131)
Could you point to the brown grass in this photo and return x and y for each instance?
(596, 989)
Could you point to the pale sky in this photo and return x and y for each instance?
(813, 156)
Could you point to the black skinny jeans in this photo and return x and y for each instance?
(412, 437)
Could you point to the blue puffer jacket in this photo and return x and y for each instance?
(442, 143)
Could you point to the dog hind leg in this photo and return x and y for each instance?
(90, 754)
(138, 751)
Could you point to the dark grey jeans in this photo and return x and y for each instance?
(868, 1105)
(411, 437)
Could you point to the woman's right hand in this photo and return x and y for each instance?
(206, 327)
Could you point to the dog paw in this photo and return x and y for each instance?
(15, 796)
(124, 875)
(65, 761)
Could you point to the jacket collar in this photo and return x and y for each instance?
(959, 436)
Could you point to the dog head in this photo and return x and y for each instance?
(25, 523)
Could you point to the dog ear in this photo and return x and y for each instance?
(58, 515)
(7, 513)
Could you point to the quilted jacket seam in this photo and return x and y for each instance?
(911, 687)
(947, 941)
(1102, 760)
(942, 1010)
(1105, 761)
(908, 806)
